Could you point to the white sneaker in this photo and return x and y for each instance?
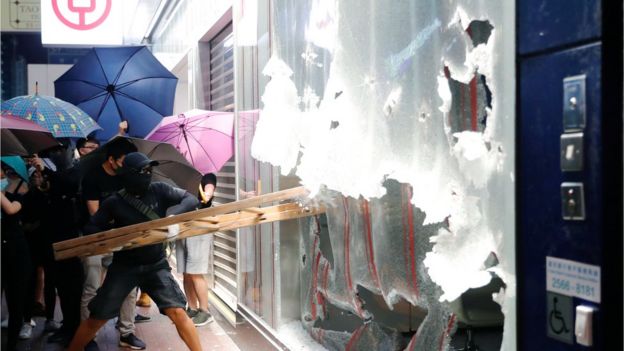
(32, 323)
(26, 331)
(4, 323)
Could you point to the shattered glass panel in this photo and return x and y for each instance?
(398, 117)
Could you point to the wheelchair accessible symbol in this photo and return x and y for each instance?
(557, 323)
(559, 317)
(82, 11)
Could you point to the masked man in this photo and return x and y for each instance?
(145, 267)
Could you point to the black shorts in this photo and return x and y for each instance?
(155, 279)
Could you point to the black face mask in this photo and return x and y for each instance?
(136, 183)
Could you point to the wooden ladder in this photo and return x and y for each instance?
(229, 216)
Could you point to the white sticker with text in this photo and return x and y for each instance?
(573, 278)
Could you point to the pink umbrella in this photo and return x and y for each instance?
(23, 137)
(205, 138)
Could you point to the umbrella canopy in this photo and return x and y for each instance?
(120, 84)
(61, 118)
(22, 137)
(205, 138)
(172, 168)
(17, 164)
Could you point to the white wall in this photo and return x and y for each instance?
(45, 75)
(181, 102)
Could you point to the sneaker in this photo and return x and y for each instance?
(144, 300)
(92, 346)
(132, 342)
(26, 331)
(4, 323)
(32, 323)
(191, 312)
(139, 318)
(51, 325)
(202, 318)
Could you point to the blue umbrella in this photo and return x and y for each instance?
(17, 164)
(120, 84)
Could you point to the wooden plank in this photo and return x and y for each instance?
(203, 213)
(200, 227)
(256, 210)
(101, 244)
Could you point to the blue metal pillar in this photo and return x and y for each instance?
(578, 40)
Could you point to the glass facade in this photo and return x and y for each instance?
(399, 117)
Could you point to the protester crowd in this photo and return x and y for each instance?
(55, 196)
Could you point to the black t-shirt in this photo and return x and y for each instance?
(98, 185)
(64, 216)
(11, 225)
(162, 198)
(15, 253)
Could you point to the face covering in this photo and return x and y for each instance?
(136, 183)
(4, 182)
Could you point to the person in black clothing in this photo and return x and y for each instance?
(99, 183)
(16, 264)
(62, 219)
(86, 145)
(39, 243)
(146, 266)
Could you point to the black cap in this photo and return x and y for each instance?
(137, 160)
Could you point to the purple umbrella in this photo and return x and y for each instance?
(205, 138)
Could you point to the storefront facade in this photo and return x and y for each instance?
(401, 120)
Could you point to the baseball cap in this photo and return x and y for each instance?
(137, 160)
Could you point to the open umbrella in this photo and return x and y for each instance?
(120, 84)
(16, 164)
(205, 138)
(22, 137)
(172, 168)
(61, 118)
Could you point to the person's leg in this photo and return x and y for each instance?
(189, 291)
(85, 333)
(127, 313)
(49, 287)
(160, 284)
(118, 283)
(200, 287)
(15, 291)
(70, 281)
(15, 305)
(29, 297)
(196, 265)
(39, 285)
(93, 273)
(185, 327)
